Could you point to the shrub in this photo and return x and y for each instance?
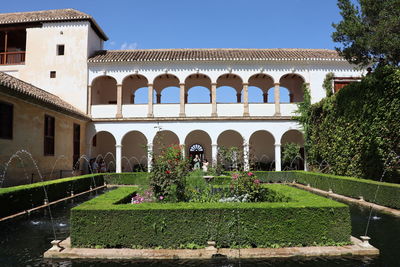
(130, 178)
(168, 174)
(23, 197)
(305, 220)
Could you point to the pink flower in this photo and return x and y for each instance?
(250, 174)
(256, 181)
(235, 176)
(161, 197)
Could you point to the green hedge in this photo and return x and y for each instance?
(131, 178)
(23, 197)
(387, 194)
(306, 220)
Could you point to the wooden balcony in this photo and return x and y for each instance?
(12, 58)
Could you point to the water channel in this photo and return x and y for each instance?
(24, 240)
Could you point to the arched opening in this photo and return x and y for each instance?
(229, 88)
(164, 139)
(230, 150)
(195, 139)
(294, 161)
(171, 84)
(284, 95)
(198, 89)
(103, 152)
(294, 83)
(259, 82)
(262, 151)
(130, 86)
(134, 152)
(104, 91)
(141, 95)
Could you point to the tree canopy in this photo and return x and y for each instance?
(369, 32)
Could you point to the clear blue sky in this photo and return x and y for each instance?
(132, 24)
(204, 23)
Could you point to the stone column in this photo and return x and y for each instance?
(277, 99)
(214, 100)
(89, 100)
(278, 157)
(214, 154)
(246, 152)
(118, 158)
(149, 156)
(150, 103)
(246, 99)
(239, 98)
(265, 97)
(182, 100)
(290, 98)
(119, 101)
(182, 150)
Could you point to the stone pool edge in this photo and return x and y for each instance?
(358, 248)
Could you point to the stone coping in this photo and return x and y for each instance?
(358, 248)
(361, 201)
(208, 118)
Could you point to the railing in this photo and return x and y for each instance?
(12, 58)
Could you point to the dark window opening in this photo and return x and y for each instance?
(94, 141)
(60, 50)
(6, 120)
(49, 134)
(12, 46)
(76, 146)
(52, 74)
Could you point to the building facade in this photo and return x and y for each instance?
(140, 100)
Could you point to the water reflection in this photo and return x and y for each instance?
(23, 241)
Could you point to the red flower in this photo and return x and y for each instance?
(250, 174)
(167, 171)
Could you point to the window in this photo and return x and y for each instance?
(49, 133)
(76, 146)
(52, 74)
(60, 50)
(6, 120)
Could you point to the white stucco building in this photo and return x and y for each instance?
(61, 51)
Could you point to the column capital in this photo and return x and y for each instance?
(149, 84)
(181, 84)
(214, 145)
(213, 84)
(278, 144)
(245, 84)
(277, 84)
(119, 85)
(118, 146)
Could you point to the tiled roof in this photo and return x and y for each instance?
(26, 91)
(213, 54)
(50, 16)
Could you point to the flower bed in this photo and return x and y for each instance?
(305, 220)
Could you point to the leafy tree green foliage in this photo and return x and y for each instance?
(290, 153)
(328, 84)
(357, 130)
(369, 32)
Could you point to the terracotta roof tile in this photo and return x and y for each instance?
(50, 16)
(213, 54)
(22, 89)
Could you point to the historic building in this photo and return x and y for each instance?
(131, 101)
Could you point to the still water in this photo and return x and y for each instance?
(23, 241)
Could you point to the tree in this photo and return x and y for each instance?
(369, 32)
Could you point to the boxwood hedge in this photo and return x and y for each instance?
(130, 178)
(23, 197)
(380, 193)
(306, 220)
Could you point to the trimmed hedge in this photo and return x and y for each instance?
(130, 178)
(306, 220)
(348, 186)
(23, 197)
